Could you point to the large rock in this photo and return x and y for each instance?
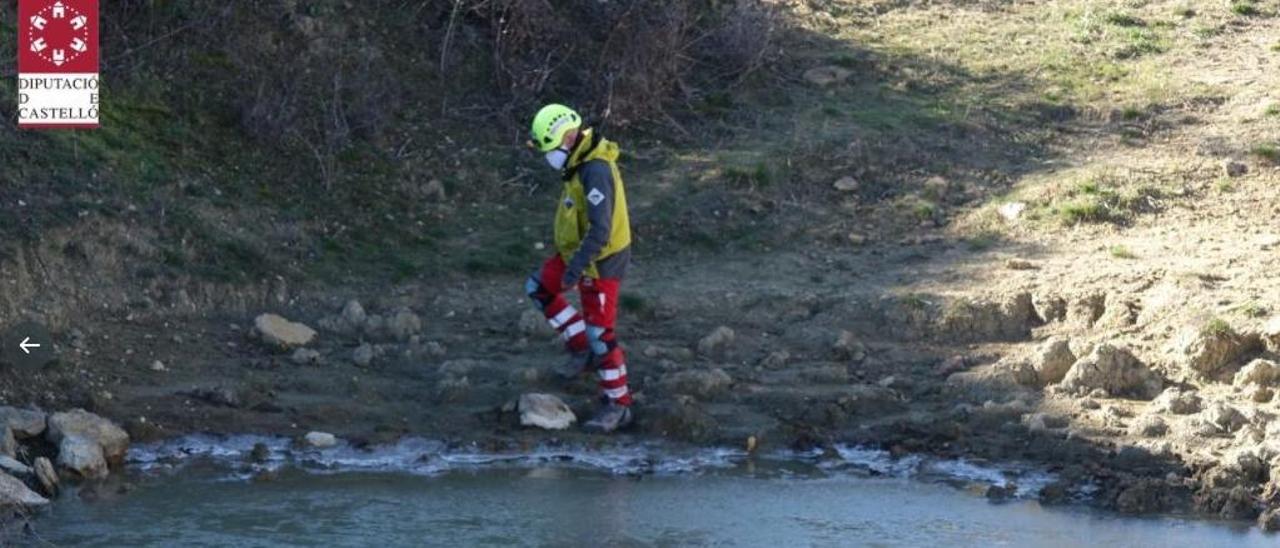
(15, 494)
(24, 423)
(1224, 417)
(1052, 359)
(1114, 370)
(111, 439)
(403, 324)
(544, 411)
(277, 331)
(983, 320)
(47, 476)
(1210, 349)
(82, 456)
(1260, 372)
(1177, 401)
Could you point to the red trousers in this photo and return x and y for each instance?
(592, 329)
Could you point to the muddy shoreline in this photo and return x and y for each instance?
(976, 377)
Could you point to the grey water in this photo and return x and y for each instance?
(559, 502)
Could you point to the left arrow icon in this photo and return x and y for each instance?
(26, 345)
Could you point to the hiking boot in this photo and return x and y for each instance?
(611, 417)
(575, 365)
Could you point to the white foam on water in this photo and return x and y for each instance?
(429, 457)
(413, 455)
(1027, 480)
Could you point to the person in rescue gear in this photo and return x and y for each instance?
(593, 250)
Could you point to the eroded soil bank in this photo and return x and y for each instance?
(814, 355)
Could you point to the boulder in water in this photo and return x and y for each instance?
(320, 440)
(15, 494)
(112, 440)
(24, 423)
(82, 456)
(10, 465)
(544, 411)
(46, 475)
(277, 331)
(8, 445)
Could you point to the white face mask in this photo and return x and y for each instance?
(557, 158)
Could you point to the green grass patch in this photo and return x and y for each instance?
(982, 240)
(1267, 151)
(1217, 327)
(1272, 110)
(924, 210)
(1121, 252)
(1123, 20)
(1254, 309)
(1245, 8)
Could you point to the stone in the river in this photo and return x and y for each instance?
(15, 494)
(82, 456)
(47, 476)
(320, 440)
(10, 465)
(544, 411)
(112, 439)
(8, 445)
(25, 423)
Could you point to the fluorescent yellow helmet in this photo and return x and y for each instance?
(550, 125)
